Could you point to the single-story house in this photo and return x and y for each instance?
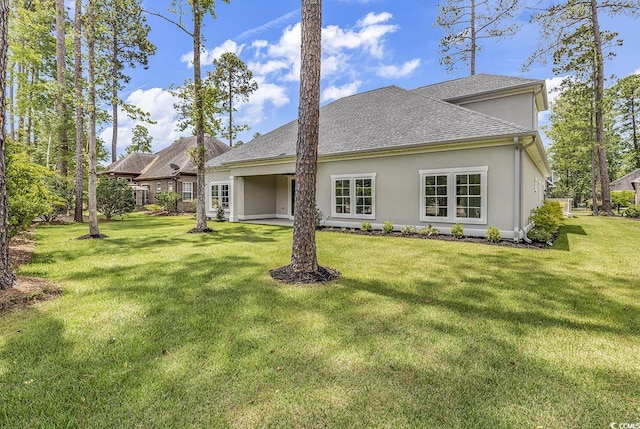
(463, 151)
(170, 170)
(630, 182)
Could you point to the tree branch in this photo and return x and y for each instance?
(177, 24)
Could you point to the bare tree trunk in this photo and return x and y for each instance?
(77, 83)
(7, 277)
(230, 109)
(603, 164)
(63, 135)
(594, 162)
(636, 149)
(303, 257)
(11, 104)
(201, 218)
(93, 178)
(114, 95)
(473, 46)
(594, 181)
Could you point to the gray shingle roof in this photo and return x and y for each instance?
(475, 85)
(133, 163)
(626, 182)
(385, 118)
(178, 154)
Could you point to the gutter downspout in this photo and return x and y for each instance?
(534, 117)
(518, 232)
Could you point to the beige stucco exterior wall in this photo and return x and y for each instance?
(533, 188)
(259, 197)
(264, 191)
(398, 193)
(519, 109)
(282, 196)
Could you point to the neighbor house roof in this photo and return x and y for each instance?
(478, 85)
(382, 119)
(132, 164)
(629, 182)
(175, 159)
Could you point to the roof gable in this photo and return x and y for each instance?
(177, 155)
(133, 164)
(626, 182)
(382, 119)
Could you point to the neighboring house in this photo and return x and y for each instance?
(170, 170)
(465, 151)
(630, 182)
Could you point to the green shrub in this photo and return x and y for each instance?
(220, 214)
(387, 227)
(366, 226)
(457, 230)
(622, 198)
(168, 200)
(115, 197)
(632, 212)
(153, 207)
(493, 234)
(409, 230)
(30, 190)
(546, 220)
(430, 231)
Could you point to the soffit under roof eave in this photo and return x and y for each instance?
(538, 154)
(381, 152)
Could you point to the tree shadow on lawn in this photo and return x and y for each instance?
(243, 351)
(562, 240)
(212, 341)
(524, 293)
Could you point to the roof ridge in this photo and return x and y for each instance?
(628, 175)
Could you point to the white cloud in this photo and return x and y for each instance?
(276, 63)
(336, 92)
(339, 45)
(554, 85)
(372, 19)
(207, 56)
(399, 71)
(159, 104)
(267, 94)
(369, 35)
(637, 71)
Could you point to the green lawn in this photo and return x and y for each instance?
(157, 328)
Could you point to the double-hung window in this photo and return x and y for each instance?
(353, 195)
(454, 195)
(220, 196)
(187, 191)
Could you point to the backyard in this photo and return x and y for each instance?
(159, 328)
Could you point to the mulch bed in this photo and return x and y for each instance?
(287, 275)
(443, 237)
(28, 290)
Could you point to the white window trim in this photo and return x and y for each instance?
(182, 192)
(451, 194)
(352, 195)
(212, 184)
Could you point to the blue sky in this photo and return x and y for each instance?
(367, 44)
